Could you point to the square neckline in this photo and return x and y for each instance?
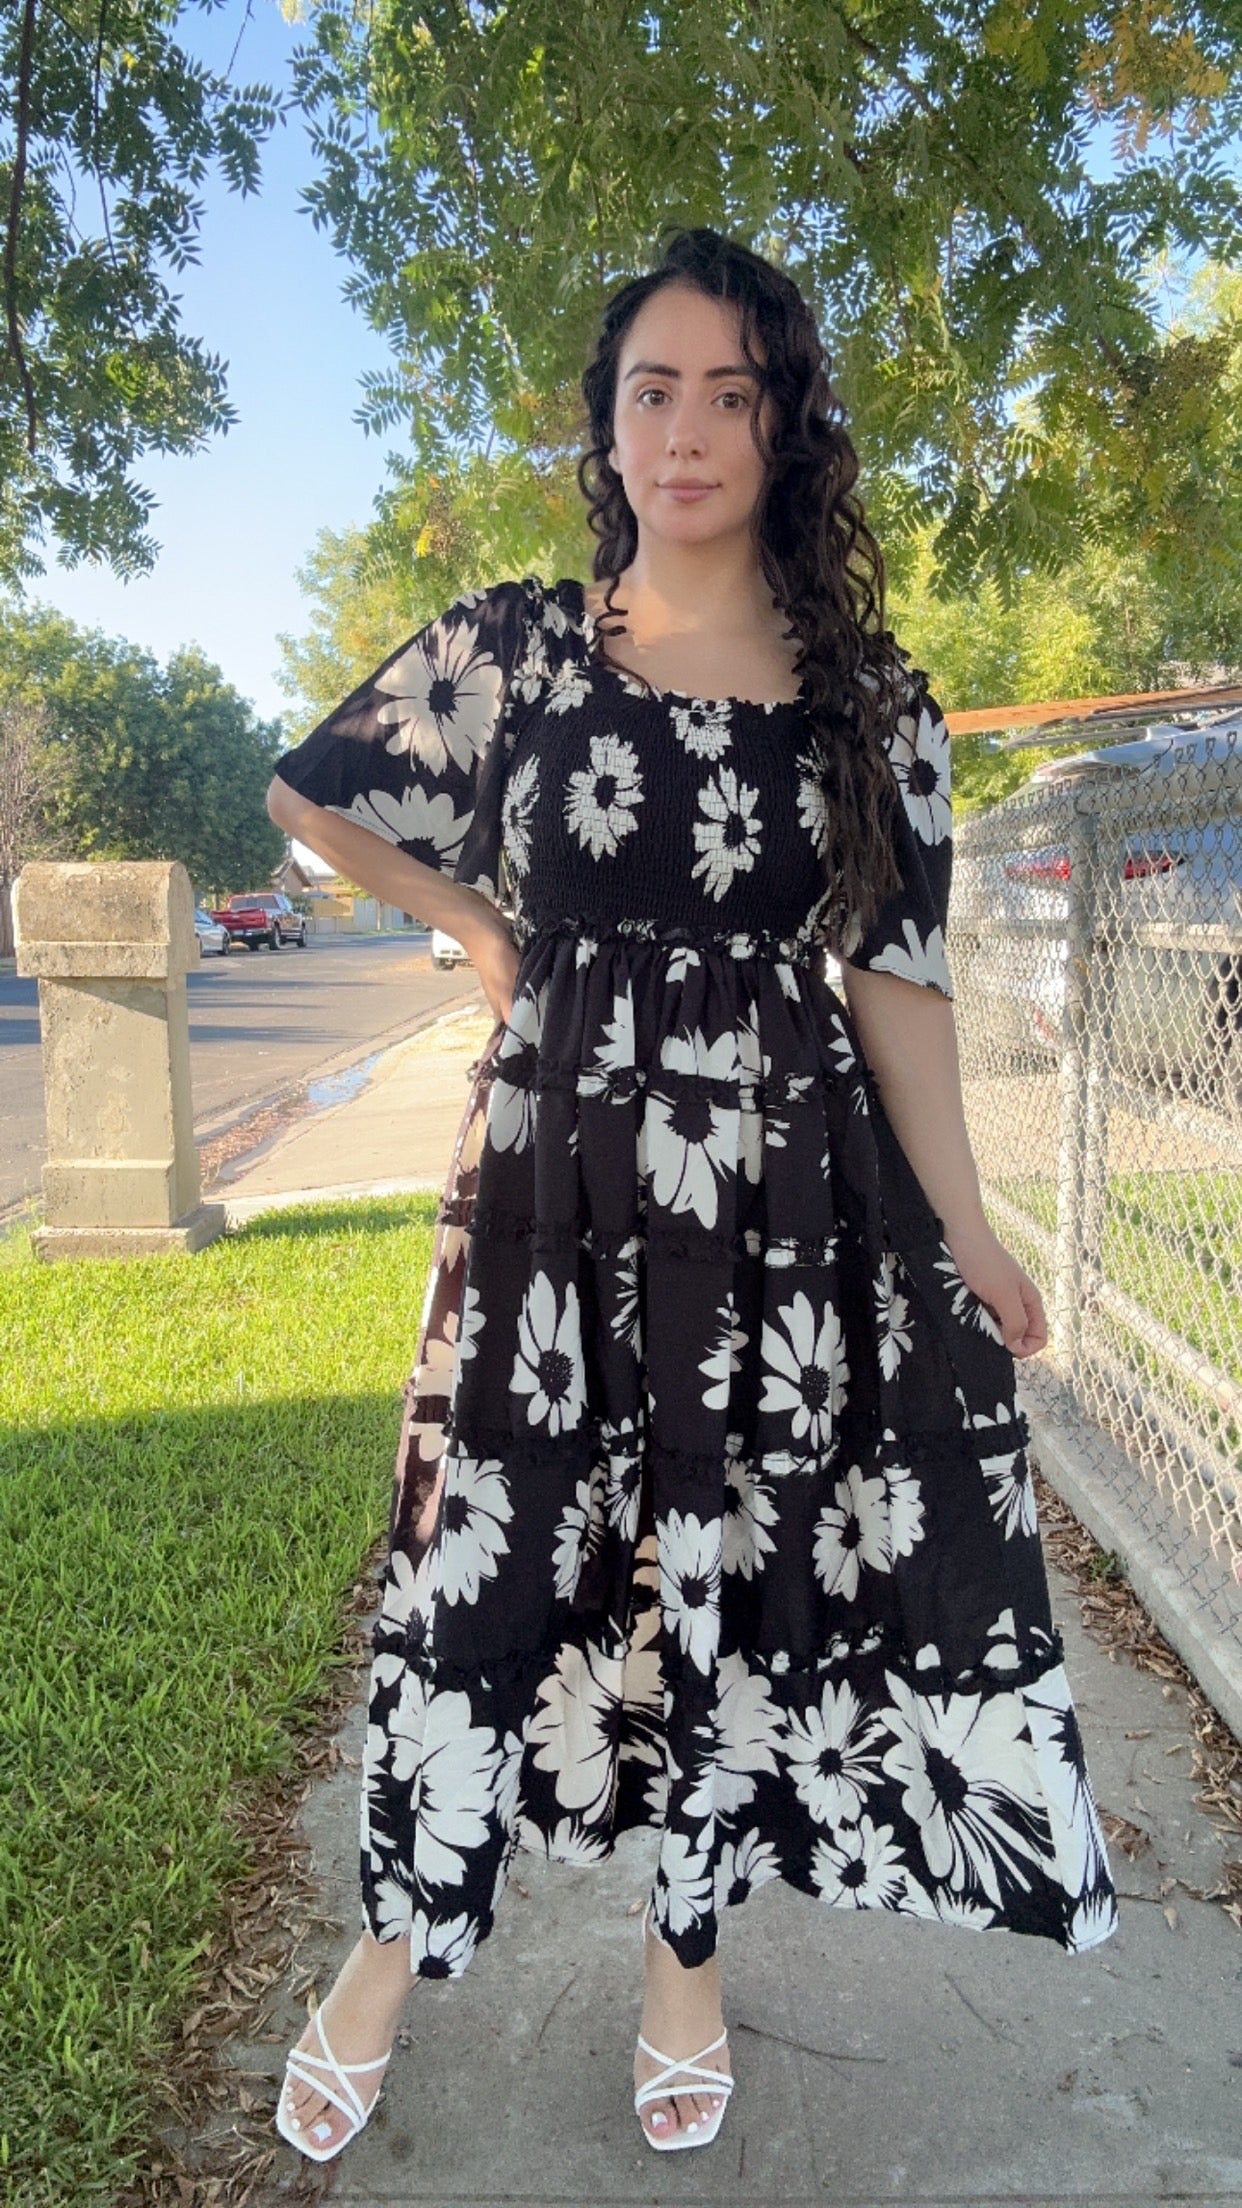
(594, 639)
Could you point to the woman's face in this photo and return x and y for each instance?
(683, 412)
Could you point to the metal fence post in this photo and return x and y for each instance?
(1079, 1199)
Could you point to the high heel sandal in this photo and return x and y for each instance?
(661, 2088)
(299, 2066)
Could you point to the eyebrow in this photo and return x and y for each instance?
(657, 368)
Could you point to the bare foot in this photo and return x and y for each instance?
(681, 2015)
(361, 2013)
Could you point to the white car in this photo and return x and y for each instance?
(1179, 1010)
(212, 934)
(446, 950)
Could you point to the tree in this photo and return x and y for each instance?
(931, 178)
(148, 762)
(436, 532)
(107, 129)
(27, 784)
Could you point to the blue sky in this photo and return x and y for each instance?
(236, 519)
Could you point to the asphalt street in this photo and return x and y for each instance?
(258, 1019)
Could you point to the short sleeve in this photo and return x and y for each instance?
(907, 936)
(416, 753)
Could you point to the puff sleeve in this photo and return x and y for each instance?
(907, 936)
(416, 753)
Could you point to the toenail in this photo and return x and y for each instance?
(322, 2131)
(659, 2119)
(693, 2124)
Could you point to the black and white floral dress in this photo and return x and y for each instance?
(712, 1509)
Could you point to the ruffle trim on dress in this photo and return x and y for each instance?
(597, 1440)
(806, 947)
(492, 1223)
(522, 1068)
(992, 1669)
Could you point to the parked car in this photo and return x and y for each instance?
(446, 950)
(1176, 1010)
(263, 916)
(212, 934)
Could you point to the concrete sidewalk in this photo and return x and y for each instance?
(879, 2060)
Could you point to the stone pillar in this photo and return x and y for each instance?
(110, 946)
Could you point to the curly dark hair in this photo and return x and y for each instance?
(816, 552)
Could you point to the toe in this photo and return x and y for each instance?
(659, 2118)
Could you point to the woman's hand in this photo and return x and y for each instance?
(495, 958)
(998, 1280)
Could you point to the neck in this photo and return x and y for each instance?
(692, 590)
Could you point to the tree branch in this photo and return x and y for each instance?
(25, 70)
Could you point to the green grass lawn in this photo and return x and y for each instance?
(196, 1453)
(1173, 1242)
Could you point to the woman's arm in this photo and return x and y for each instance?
(391, 874)
(909, 1039)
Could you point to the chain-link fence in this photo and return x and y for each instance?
(1095, 940)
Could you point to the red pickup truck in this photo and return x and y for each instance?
(264, 916)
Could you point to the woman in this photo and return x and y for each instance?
(712, 1509)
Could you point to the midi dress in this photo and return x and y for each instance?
(712, 1509)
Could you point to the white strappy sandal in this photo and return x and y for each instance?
(692, 2071)
(304, 2066)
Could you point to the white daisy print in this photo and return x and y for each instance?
(612, 1064)
(919, 751)
(1093, 1920)
(924, 958)
(852, 1532)
(625, 1322)
(728, 836)
(474, 1507)
(971, 1784)
(392, 1906)
(431, 823)
(905, 1508)
(749, 1511)
(575, 1729)
(1076, 1836)
(722, 1360)
(1011, 1492)
(466, 1325)
(687, 1145)
(702, 727)
(600, 799)
(686, 1873)
(744, 1865)
(966, 1304)
(864, 1870)
(576, 1537)
(549, 1364)
(805, 1369)
(690, 1583)
(455, 1760)
(813, 812)
(450, 1944)
(832, 1755)
(443, 696)
(569, 688)
(622, 1481)
(747, 1734)
(892, 1316)
(521, 792)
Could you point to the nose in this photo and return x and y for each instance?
(685, 430)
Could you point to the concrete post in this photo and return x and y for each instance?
(110, 946)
